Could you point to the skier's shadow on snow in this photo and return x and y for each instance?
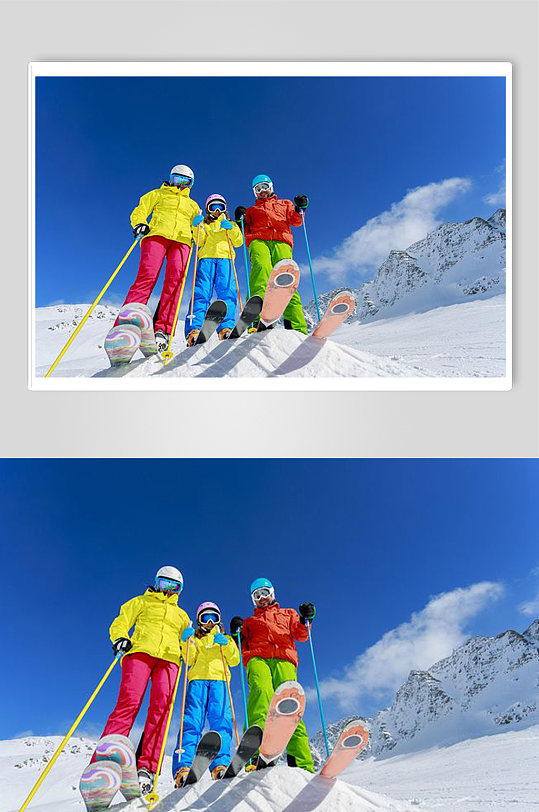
(302, 355)
(203, 802)
(312, 794)
(237, 353)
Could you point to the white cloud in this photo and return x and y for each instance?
(407, 221)
(497, 198)
(531, 607)
(429, 635)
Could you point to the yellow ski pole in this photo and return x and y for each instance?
(190, 317)
(167, 354)
(67, 736)
(85, 317)
(234, 268)
(152, 797)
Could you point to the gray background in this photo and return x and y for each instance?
(379, 424)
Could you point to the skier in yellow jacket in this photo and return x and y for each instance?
(151, 652)
(209, 656)
(217, 238)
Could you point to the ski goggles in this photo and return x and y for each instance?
(216, 205)
(263, 592)
(168, 585)
(209, 617)
(263, 186)
(181, 180)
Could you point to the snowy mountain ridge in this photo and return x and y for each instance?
(451, 264)
(486, 685)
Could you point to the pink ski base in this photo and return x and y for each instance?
(280, 725)
(353, 739)
(343, 303)
(277, 295)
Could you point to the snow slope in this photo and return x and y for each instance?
(465, 340)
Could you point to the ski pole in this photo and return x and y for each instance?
(318, 690)
(87, 315)
(167, 354)
(229, 695)
(243, 691)
(68, 735)
(191, 316)
(245, 258)
(234, 269)
(179, 750)
(310, 264)
(152, 796)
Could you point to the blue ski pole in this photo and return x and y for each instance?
(310, 264)
(318, 690)
(244, 692)
(246, 266)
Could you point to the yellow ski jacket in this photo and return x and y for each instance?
(172, 212)
(213, 242)
(159, 623)
(205, 657)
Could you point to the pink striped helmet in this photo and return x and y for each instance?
(209, 607)
(215, 199)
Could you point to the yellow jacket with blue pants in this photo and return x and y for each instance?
(215, 273)
(207, 697)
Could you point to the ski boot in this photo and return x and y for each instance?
(146, 780)
(218, 772)
(224, 333)
(192, 337)
(253, 329)
(180, 776)
(161, 340)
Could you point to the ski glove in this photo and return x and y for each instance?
(187, 633)
(240, 212)
(141, 229)
(226, 224)
(236, 625)
(307, 612)
(121, 646)
(198, 219)
(221, 639)
(301, 202)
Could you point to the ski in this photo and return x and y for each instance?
(353, 739)
(121, 343)
(118, 748)
(215, 314)
(250, 312)
(141, 316)
(207, 749)
(99, 783)
(249, 744)
(282, 284)
(338, 310)
(284, 715)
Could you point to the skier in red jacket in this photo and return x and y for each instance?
(268, 235)
(270, 657)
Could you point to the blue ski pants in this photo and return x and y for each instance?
(213, 275)
(206, 698)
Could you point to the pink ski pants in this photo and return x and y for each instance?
(153, 252)
(137, 670)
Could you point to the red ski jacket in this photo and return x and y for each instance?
(270, 219)
(270, 633)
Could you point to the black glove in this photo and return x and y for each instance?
(141, 229)
(121, 645)
(240, 212)
(301, 202)
(236, 625)
(307, 611)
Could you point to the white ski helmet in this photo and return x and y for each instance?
(169, 574)
(183, 169)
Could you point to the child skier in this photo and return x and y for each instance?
(152, 652)
(169, 234)
(207, 694)
(270, 657)
(269, 238)
(217, 239)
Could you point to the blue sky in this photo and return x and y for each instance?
(356, 146)
(369, 542)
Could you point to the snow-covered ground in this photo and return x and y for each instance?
(466, 340)
(495, 773)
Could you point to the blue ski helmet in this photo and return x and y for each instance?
(262, 183)
(262, 590)
(261, 179)
(260, 582)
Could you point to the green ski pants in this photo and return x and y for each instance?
(264, 676)
(264, 254)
